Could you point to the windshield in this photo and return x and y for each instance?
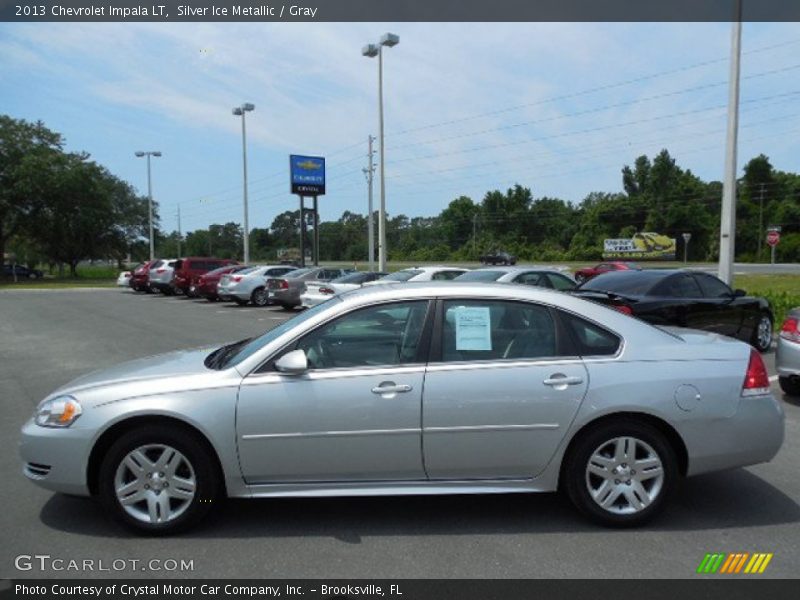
(233, 354)
(404, 275)
(480, 276)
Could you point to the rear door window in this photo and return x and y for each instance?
(712, 287)
(590, 339)
(488, 330)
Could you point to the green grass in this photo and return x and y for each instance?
(55, 284)
(782, 291)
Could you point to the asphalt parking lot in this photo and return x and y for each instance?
(49, 337)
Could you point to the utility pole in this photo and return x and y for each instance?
(179, 231)
(760, 222)
(369, 172)
(727, 241)
(475, 233)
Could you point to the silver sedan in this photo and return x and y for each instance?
(525, 390)
(787, 354)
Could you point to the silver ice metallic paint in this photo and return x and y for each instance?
(499, 425)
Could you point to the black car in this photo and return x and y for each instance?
(685, 299)
(22, 272)
(498, 258)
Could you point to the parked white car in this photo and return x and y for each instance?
(318, 292)
(124, 279)
(249, 285)
(417, 274)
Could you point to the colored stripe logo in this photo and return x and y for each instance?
(734, 563)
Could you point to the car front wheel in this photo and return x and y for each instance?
(158, 480)
(620, 473)
(762, 334)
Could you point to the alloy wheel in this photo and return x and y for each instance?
(624, 475)
(764, 334)
(155, 483)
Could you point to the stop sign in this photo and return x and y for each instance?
(773, 237)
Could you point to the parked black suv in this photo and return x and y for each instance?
(22, 272)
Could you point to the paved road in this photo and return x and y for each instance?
(48, 338)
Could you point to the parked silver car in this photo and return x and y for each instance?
(787, 354)
(250, 285)
(525, 390)
(548, 277)
(160, 276)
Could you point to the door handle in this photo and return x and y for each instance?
(392, 389)
(558, 380)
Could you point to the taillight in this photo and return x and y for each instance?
(236, 278)
(756, 381)
(791, 330)
(284, 284)
(326, 290)
(624, 309)
(160, 270)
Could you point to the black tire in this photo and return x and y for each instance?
(259, 297)
(580, 278)
(790, 385)
(760, 342)
(208, 490)
(151, 289)
(576, 479)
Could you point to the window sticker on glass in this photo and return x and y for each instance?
(473, 325)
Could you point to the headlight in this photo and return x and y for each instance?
(58, 412)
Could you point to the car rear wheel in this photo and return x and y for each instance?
(260, 297)
(158, 480)
(790, 385)
(620, 473)
(762, 334)
(580, 278)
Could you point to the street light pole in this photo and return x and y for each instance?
(148, 154)
(727, 240)
(240, 111)
(373, 50)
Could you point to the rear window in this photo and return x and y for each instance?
(353, 278)
(627, 283)
(299, 272)
(404, 275)
(480, 276)
(157, 264)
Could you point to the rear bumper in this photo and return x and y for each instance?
(787, 358)
(754, 434)
(285, 297)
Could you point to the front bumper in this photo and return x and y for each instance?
(754, 434)
(56, 459)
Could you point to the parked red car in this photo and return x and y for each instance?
(139, 280)
(587, 273)
(206, 285)
(187, 270)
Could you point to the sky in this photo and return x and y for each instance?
(469, 107)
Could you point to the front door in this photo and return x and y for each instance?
(353, 416)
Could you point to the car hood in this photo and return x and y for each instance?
(145, 375)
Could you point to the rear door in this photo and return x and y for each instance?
(501, 390)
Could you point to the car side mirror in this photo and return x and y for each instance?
(738, 293)
(292, 363)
